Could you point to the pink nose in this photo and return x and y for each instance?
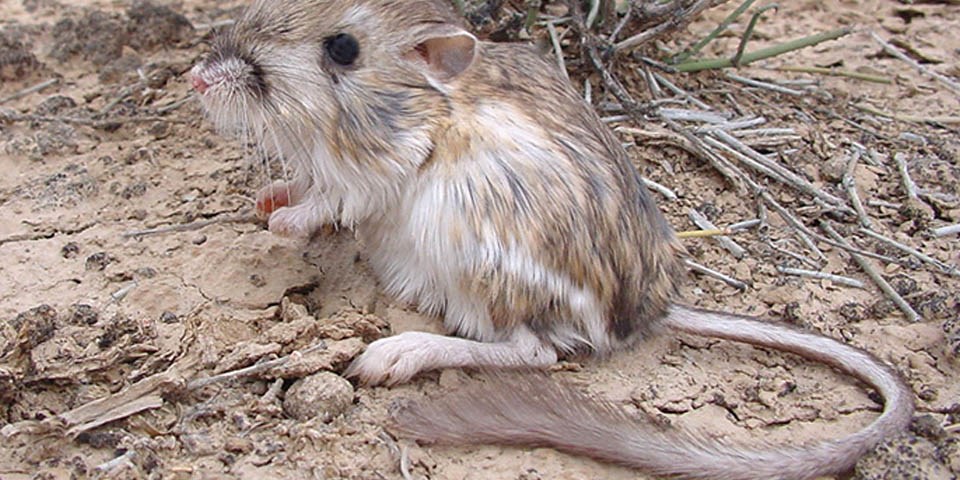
(198, 83)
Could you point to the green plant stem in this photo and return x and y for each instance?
(716, 63)
(695, 49)
(837, 73)
(749, 32)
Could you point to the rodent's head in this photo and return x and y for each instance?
(358, 75)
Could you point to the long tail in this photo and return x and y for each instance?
(533, 410)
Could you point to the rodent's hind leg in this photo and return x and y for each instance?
(396, 359)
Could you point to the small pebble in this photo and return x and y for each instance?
(322, 395)
(70, 250)
(169, 317)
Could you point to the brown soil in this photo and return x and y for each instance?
(87, 310)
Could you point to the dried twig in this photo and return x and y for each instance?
(874, 275)
(679, 91)
(850, 282)
(758, 162)
(557, 49)
(29, 90)
(909, 186)
(405, 453)
(666, 192)
(715, 119)
(715, 274)
(947, 230)
(219, 24)
(124, 460)
(702, 150)
(726, 242)
(942, 119)
(175, 104)
(592, 14)
(242, 217)
(713, 232)
(795, 256)
(732, 125)
(135, 398)
(766, 85)
(767, 132)
(887, 47)
(678, 19)
(744, 224)
(631, 106)
(788, 177)
(7, 116)
(945, 268)
(253, 369)
(849, 183)
(836, 72)
(880, 203)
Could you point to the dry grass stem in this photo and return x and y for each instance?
(254, 369)
(751, 158)
(836, 72)
(765, 85)
(557, 49)
(405, 462)
(874, 275)
(892, 50)
(849, 184)
(664, 82)
(909, 186)
(111, 468)
(733, 282)
(942, 119)
(850, 282)
(744, 225)
(704, 233)
(677, 19)
(31, 89)
(662, 190)
(947, 230)
(726, 242)
(944, 267)
(243, 217)
(793, 255)
(9, 116)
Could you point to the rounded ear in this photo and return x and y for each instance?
(445, 52)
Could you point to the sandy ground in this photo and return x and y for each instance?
(117, 146)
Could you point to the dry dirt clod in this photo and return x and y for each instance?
(97, 36)
(152, 25)
(900, 457)
(35, 326)
(83, 314)
(99, 261)
(16, 59)
(322, 395)
(951, 328)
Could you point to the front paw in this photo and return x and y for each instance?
(294, 222)
(393, 360)
(278, 195)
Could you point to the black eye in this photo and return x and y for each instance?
(342, 48)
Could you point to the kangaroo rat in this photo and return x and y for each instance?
(488, 192)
